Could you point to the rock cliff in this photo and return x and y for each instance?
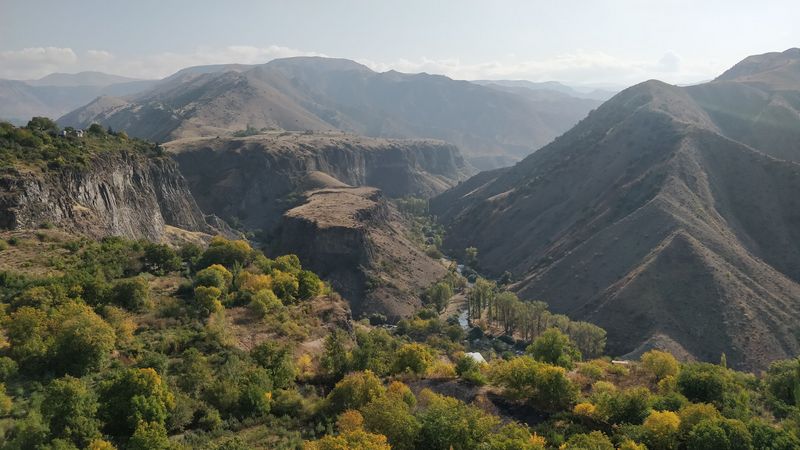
(356, 239)
(252, 181)
(120, 193)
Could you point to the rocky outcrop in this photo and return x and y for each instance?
(123, 194)
(357, 240)
(254, 180)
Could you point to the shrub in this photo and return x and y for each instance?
(214, 276)
(264, 303)
(132, 294)
(207, 300)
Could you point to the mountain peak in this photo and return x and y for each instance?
(776, 69)
(319, 63)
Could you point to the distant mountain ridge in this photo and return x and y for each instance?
(551, 86)
(88, 78)
(669, 216)
(492, 127)
(59, 93)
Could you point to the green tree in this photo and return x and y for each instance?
(439, 294)
(28, 332)
(471, 254)
(625, 406)
(288, 263)
(414, 357)
(543, 385)
(703, 382)
(149, 436)
(83, 341)
(335, 360)
(595, 440)
(207, 300)
(446, 422)
(277, 360)
(659, 364)
(661, 430)
(227, 253)
(160, 259)
(783, 386)
(393, 419)
(354, 391)
(195, 372)
(216, 276)
(555, 347)
(43, 124)
(264, 303)
(285, 285)
(132, 396)
(309, 285)
(69, 409)
(131, 293)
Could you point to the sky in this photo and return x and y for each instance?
(590, 42)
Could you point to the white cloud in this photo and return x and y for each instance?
(99, 55)
(578, 67)
(163, 64)
(34, 62)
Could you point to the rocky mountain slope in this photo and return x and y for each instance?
(669, 217)
(358, 240)
(254, 180)
(111, 187)
(491, 126)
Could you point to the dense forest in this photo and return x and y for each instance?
(135, 345)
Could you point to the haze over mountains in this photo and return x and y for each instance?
(58, 93)
(492, 127)
(669, 216)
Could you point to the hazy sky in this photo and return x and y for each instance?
(581, 42)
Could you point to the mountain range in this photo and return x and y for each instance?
(58, 93)
(493, 127)
(669, 216)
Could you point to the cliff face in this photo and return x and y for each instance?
(120, 194)
(356, 239)
(254, 180)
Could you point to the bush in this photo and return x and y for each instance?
(264, 303)
(132, 294)
(214, 276)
